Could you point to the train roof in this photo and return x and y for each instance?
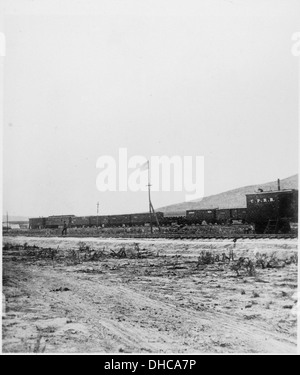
(203, 209)
(231, 208)
(273, 192)
(217, 209)
(62, 216)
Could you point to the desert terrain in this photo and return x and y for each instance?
(89, 295)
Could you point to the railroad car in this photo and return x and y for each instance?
(227, 215)
(144, 218)
(223, 215)
(57, 221)
(119, 220)
(79, 221)
(239, 214)
(173, 220)
(99, 221)
(198, 216)
(37, 223)
(272, 211)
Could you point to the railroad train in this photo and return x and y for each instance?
(73, 221)
(269, 211)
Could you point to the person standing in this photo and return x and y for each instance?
(64, 228)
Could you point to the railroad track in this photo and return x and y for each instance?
(183, 236)
(174, 236)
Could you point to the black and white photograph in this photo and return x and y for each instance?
(149, 162)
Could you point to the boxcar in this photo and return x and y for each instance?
(144, 218)
(58, 221)
(198, 216)
(37, 223)
(239, 214)
(223, 215)
(236, 214)
(99, 221)
(80, 221)
(279, 206)
(173, 220)
(119, 220)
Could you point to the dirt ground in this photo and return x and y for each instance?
(155, 300)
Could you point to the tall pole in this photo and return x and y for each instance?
(7, 221)
(97, 214)
(149, 196)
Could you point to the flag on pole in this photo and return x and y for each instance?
(144, 166)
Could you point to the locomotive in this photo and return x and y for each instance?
(270, 212)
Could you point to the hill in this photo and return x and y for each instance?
(230, 199)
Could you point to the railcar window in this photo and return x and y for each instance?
(265, 200)
(258, 200)
(272, 199)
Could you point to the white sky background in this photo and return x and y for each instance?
(83, 78)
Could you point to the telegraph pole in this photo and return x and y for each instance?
(151, 208)
(7, 221)
(149, 196)
(97, 214)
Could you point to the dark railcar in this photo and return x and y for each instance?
(223, 215)
(99, 221)
(144, 218)
(198, 216)
(228, 215)
(239, 214)
(37, 223)
(80, 221)
(58, 221)
(119, 220)
(273, 210)
(173, 220)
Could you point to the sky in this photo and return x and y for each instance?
(82, 79)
